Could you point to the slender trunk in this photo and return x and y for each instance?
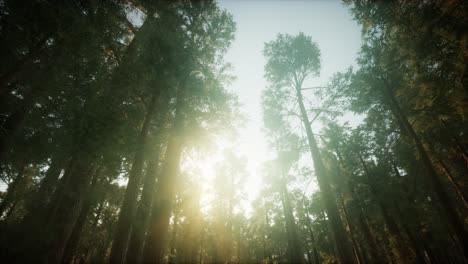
(389, 222)
(42, 197)
(68, 200)
(191, 239)
(50, 180)
(162, 206)
(228, 245)
(371, 241)
(339, 193)
(457, 142)
(75, 236)
(128, 209)
(294, 246)
(449, 212)
(140, 224)
(345, 253)
(416, 245)
(12, 190)
(11, 209)
(172, 254)
(200, 255)
(266, 250)
(309, 257)
(312, 237)
(59, 192)
(444, 168)
(66, 212)
(239, 245)
(352, 232)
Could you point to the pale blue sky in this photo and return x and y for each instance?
(327, 22)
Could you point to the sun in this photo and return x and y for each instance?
(202, 167)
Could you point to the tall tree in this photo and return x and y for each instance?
(290, 61)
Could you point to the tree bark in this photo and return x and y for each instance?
(312, 237)
(156, 239)
(172, 250)
(448, 212)
(140, 224)
(42, 197)
(444, 168)
(345, 253)
(69, 199)
(370, 239)
(389, 222)
(294, 246)
(128, 209)
(66, 212)
(75, 236)
(352, 232)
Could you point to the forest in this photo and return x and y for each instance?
(119, 126)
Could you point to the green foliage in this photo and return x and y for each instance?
(291, 59)
(89, 90)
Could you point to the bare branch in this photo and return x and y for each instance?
(130, 26)
(316, 87)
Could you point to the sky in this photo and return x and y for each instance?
(328, 23)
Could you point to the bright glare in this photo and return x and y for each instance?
(338, 37)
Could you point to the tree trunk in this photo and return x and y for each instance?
(457, 142)
(42, 197)
(50, 180)
(352, 232)
(12, 190)
(312, 237)
(389, 222)
(443, 167)
(69, 198)
(75, 236)
(370, 239)
(128, 209)
(294, 246)
(202, 240)
(345, 253)
(172, 250)
(162, 206)
(140, 224)
(65, 214)
(191, 239)
(156, 239)
(449, 212)
(416, 245)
